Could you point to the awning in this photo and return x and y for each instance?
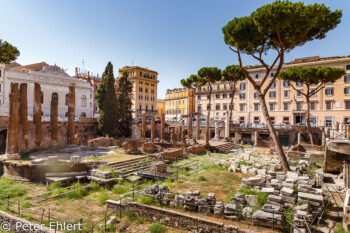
(285, 120)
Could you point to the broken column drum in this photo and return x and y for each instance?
(71, 114)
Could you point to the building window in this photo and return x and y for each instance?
(272, 74)
(346, 90)
(241, 120)
(140, 97)
(299, 84)
(217, 107)
(347, 104)
(242, 96)
(273, 85)
(146, 90)
(286, 83)
(224, 96)
(224, 106)
(256, 119)
(299, 91)
(272, 106)
(152, 91)
(329, 91)
(285, 106)
(242, 86)
(272, 94)
(256, 107)
(311, 91)
(286, 120)
(146, 84)
(256, 76)
(272, 120)
(255, 95)
(140, 82)
(286, 93)
(328, 121)
(347, 67)
(208, 107)
(217, 96)
(198, 97)
(54, 97)
(329, 105)
(231, 95)
(241, 107)
(313, 105)
(140, 89)
(83, 101)
(299, 106)
(231, 106)
(347, 78)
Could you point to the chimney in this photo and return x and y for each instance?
(76, 71)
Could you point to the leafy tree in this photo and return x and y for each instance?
(108, 104)
(124, 101)
(209, 75)
(232, 74)
(279, 27)
(191, 82)
(8, 52)
(308, 76)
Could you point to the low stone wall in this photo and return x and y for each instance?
(196, 149)
(293, 154)
(172, 218)
(172, 154)
(12, 220)
(101, 142)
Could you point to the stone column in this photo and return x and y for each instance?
(71, 114)
(54, 123)
(207, 133)
(178, 133)
(24, 112)
(198, 127)
(172, 135)
(323, 138)
(299, 138)
(143, 126)
(256, 138)
(153, 129)
(162, 126)
(217, 136)
(183, 137)
(189, 134)
(337, 126)
(227, 126)
(13, 122)
(37, 114)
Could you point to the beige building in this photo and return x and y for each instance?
(286, 106)
(179, 103)
(144, 91)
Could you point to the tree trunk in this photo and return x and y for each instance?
(308, 115)
(231, 106)
(208, 118)
(273, 133)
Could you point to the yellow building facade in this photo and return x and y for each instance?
(144, 91)
(179, 103)
(160, 106)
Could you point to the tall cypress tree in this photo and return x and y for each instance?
(124, 101)
(108, 103)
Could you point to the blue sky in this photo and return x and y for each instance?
(175, 38)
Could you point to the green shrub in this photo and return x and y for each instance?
(104, 196)
(120, 189)
(77, 192)
(10, 188)
(146, 200)
(94, 186)
(202, 178)
(156, 228)
(53, 186)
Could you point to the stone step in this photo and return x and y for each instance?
(127, 161)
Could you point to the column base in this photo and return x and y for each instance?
(14, 156)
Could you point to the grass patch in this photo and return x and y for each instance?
(94, 186)
(10, 188)
(120, 189)
(202, 178)
(146, 200)
(245, 163)
(104, 196)
(156, 228)
(339, 228)
(77, 192)
(262, 197)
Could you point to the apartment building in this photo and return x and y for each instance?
(144, 91)
(286, 106)
(179, 103)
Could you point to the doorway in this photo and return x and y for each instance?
(298, 119)
(3, 136)
(284, 139)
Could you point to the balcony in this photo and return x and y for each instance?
(298, 111)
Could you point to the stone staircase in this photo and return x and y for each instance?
(131, 166)
(224, 148)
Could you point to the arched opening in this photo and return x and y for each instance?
(54, 97)
(83, 115)
(83, 101)
(3, 136)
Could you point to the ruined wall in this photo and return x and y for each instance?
(196, 149)
(6, 217)
(173, 218)
(171, 154)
